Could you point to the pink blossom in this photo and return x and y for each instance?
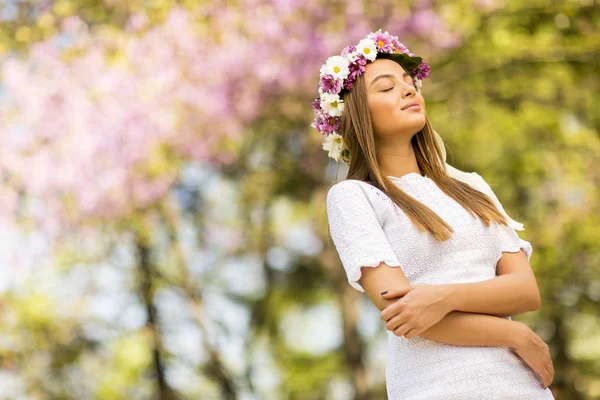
(330, 84)
(96, 130)
(383, 41)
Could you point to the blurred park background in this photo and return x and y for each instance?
(163, 229)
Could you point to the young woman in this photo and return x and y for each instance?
(429, 244)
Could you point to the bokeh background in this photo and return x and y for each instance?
(163, 229)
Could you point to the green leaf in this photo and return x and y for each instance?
(407, 62)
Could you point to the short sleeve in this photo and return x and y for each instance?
(511, 242)
(509, 239)
(356, 231)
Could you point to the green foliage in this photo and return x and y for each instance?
(517, 102)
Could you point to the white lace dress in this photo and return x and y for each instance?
(367, 228)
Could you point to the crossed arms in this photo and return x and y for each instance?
(459, 314)
(469, 314)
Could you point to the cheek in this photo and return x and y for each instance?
(377, 115)
(382, 108)
(384, 115)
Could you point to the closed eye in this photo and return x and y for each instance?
(387, 90)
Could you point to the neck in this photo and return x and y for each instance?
(397, 160)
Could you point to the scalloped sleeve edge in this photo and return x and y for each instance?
(511, 242)
(356, 272)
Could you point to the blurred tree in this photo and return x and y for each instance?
(26, 22)
(187, 214)
(518, 103)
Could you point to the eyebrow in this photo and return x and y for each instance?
(404, 75)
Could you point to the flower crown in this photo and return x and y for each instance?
(338, 74)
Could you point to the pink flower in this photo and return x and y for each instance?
(316, 104)
(326, 124)
(422, 71)
(356, 68)
(330, 85)
(347, 50)
(398, 47)
(383, 42)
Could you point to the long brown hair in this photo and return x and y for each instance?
(357, 133)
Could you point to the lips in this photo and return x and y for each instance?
(412, 103)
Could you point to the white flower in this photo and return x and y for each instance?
(332, 104)
(334, 145)
(419, 84)
(351, 57)
(367, 48)
(337, 66)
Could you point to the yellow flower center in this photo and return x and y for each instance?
(332, 121)
(334, 104)
(380, 43)
(397, 50)
(367, 50)
(338, 140)
(336, 69)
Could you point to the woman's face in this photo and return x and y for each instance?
(389, 91)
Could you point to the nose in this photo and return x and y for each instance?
(409, 90)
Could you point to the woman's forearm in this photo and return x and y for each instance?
(505, 295)
(470, 329)
(513, 291)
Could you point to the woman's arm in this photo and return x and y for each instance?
(457, 328)
(513, 291)
(469, 329)
(466, 329)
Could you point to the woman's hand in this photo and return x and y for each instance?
(536, 354)
(420, 307)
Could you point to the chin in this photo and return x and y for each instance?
(408, 125)
(416, 128)
(419, 123)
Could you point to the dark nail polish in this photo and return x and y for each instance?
(382, 293)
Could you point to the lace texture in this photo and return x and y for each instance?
(355, 228)
(367, 229)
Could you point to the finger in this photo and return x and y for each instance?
(411, 333)
(402, 329)
(546, 380)
(539, 375)
(395, 322)
(401, 291)
(391, 311)
(550, 371)
(541, 380)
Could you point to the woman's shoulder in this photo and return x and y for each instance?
(353, 193)
(350, 187)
